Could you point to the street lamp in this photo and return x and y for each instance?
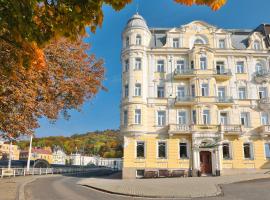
(29, 154)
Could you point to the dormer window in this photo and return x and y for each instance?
(175, 43)
(138, 39)
(127, 41)
(221, 44)
(256, 45)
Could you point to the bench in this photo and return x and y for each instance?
(150, 174)
(179, 173)
(163, 173)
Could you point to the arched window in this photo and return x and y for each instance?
(256, 45)
(198, 41)
(138, 39)
(259, 68)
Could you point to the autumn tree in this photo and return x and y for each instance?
(28, 25)
(64, 81)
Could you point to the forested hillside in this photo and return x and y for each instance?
(106, 143)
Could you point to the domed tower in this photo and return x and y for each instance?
(135, 43)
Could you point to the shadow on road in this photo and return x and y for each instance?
(101, 173)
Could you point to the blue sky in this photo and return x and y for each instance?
(103, 112)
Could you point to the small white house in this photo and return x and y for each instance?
(59, 157)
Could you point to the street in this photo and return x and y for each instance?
(65, 188)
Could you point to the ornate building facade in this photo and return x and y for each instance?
(195, 98)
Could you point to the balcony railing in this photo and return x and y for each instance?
(224, 100)
(185, 98)
(264, 103)
(265, 130)
(262, 76)
(179, 128)
(231, 128)
(226, 72)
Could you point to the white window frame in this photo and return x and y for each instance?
(266, 143)
(257, 45)
(240, 67)
(161, 66)
(181, 90)
(208, 119)
(163, 119)
(242, 94)
(166, 149)
(188, 150)
(160, 92)
(138, 64)
(138, 39)
(125, 117)
(263, 91)
(264, 121)
(230, 150)
(205, 90)
(247, 119)
(203, 63)
(184, 120)
(221, 44)
(176, 43)
(126, 65)
(180, 66)
(126, 90)
(127, 41)
(144, 149)
(226, 117)
(138, 90)
(138, 116)
(251, 151)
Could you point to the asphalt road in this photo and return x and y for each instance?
(65, 188)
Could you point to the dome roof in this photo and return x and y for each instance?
(136, 21)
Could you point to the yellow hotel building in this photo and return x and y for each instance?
(195, 98)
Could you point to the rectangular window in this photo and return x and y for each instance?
(160, 66)
(180, 92)
(126, 90)
(192, 64)
(182, 117)
(137, 116)
(175, 43)
(126, 65)
(242, 93)
(138, 64)
(221, 93)
(180, 66)
(194, 118)
(220, 67)
(205, 89)
(206, 117)
(160, 92)
(140, 150)
(125, 117)
(183, 150)
(127, 41)
(240, 67)
(221, 44)
(138, 89)
(264, 119)
(244, 118)
(161, 118)
(162, 148)
(262, 92)
(226, 151)
(203, 63)
(193, 91)
(138, 40)
(267, 150)
(224, 118)
(247, 151)
(139, 173)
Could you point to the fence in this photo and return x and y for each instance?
(5, 172)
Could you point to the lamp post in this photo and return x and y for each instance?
(29, 154)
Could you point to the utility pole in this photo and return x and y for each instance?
(10, 154)
(29, 153)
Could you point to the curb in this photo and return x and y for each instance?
(20, 193)
(217, 193)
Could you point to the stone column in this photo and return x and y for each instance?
(196, 162)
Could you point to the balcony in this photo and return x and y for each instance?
(264, 130)
(264, 103)
(262, 76)
(231, 129)
(184, 101)
(179, 129)
(222, 75)
(224, 101)
(204, 127)
(183, 74)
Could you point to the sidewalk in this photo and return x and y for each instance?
(167, 187)
(9, 187)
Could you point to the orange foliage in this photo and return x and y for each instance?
(214, 4)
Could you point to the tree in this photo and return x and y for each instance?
(67, 78)
(28, 25)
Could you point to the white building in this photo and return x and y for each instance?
(59, 157)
